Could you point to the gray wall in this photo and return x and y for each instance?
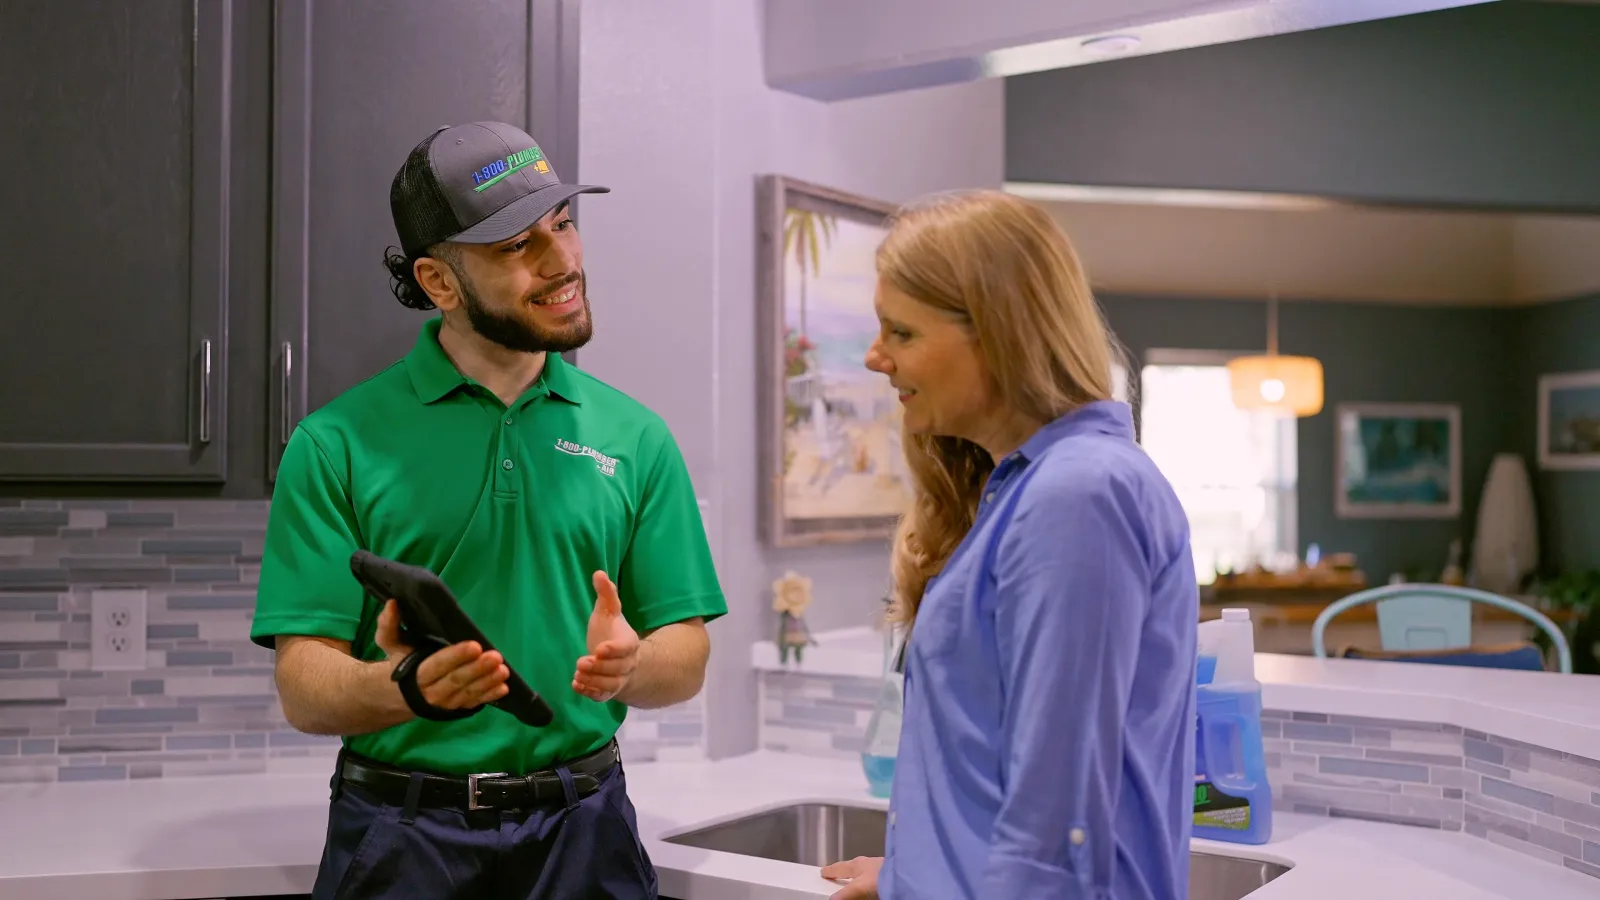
(1558, 337)
(1490, 105)
(1370, 353)
(677, 120)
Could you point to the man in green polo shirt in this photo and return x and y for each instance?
(559, 512)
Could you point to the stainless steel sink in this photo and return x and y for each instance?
(1213, 876)
(811, 834)
(815, 834)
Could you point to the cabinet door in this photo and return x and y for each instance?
(115, 173)
(358, 84)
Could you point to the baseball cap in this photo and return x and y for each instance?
(476, 183)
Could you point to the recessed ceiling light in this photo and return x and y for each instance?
(1111, 44)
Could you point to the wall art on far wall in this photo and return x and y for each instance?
(832, 468)
(1569, 420)
(1397, 461)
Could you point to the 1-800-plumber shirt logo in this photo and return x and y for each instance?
(606, 464)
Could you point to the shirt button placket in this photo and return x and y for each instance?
(505, 481)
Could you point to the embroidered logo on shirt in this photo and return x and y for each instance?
(606, 464)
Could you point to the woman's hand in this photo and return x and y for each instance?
(862, 873)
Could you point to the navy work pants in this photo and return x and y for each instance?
(587, 848)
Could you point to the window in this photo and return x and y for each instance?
(1234, 471)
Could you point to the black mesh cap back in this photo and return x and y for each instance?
(422, 215)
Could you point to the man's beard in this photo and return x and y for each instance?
(511, 331)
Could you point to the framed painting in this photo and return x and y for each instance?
(831, 465)
(1569, 420)
(1397, 461)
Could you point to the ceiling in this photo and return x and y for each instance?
(1212, 244)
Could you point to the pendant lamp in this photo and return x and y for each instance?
(1291, 385)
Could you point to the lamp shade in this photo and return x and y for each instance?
(1287, 384)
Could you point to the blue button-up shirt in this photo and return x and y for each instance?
(1047, 748)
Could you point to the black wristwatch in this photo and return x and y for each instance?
(405, 675)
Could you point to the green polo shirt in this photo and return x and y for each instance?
(515, 508)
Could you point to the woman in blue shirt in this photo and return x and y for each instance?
(1047, 749)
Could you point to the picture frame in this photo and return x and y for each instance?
(1397, 460)
(831, 467)
(1569, 420)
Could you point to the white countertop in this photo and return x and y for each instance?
(1561, 712)
(235, 836)
(1549, 709)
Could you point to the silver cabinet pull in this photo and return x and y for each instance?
(284, 401)
(205, 391)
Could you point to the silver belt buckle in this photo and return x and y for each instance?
(472, 787)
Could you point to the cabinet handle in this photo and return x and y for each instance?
(205, 391)
(283, 400)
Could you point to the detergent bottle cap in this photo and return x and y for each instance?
(1234, 645)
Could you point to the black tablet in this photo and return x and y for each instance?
(429, 615)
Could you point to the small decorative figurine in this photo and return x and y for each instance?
(791, 594)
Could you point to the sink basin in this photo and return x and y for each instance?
(811, 834)
(1213, 876)
(815, 834)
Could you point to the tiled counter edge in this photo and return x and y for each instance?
(1542, 802)
(204, 704)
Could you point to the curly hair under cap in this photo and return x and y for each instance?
(1009, 273)
(403, 273)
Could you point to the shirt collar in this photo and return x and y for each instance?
(559, 379)
(1111, 417)
(434, 376)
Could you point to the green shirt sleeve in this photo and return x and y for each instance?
(667, 574)
(306, 587)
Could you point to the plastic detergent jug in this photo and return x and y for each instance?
(1232, 799)
(883, 730)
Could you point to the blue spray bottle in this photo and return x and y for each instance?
(1232, 799)
(882, 742)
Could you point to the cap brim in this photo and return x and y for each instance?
(519, 215)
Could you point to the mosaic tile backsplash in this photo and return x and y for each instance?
(1540, 802)
(205, 702)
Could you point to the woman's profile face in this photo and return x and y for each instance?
(934, 363)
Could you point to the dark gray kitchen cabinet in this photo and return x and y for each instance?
(116, 178)
(194, 210)
(358, 83)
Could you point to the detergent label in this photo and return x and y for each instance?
(1215, 809)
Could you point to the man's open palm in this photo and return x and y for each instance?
(613, 646)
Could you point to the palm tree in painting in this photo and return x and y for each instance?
(807, 234)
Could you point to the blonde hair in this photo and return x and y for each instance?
(1008, 272)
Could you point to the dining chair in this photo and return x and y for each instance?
(1432, 623)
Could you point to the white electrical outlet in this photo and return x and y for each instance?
(117, 630)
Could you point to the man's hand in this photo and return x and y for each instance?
(613, 646)
(862, 873)
(460, 676)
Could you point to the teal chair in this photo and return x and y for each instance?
(1426, 622)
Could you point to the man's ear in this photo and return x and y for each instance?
(439, 281)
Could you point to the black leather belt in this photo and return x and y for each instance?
(494, 790)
